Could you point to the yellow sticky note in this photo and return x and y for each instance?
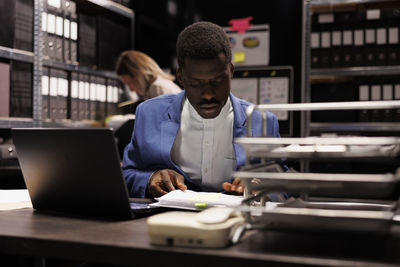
(239, 57)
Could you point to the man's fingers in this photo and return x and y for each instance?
(236, 181)
(166, 181)
(226, 186)
(178, 180)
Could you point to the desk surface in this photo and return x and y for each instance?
(27, 232)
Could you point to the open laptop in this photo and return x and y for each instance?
(75, 171)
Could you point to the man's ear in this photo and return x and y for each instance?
(179, 76)
(232, 69)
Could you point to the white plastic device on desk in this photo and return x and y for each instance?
(213, 227)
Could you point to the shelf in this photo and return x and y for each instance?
(345, 2)
(13, 122)
(357, 71)
(26, 56)
(356, 126)
(78, 68)
(16, 54)
(105, 5)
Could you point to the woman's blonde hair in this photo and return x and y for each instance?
(142, 68)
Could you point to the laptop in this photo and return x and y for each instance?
(75, 172)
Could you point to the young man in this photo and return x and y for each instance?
(185, 141)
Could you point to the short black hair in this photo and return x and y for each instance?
(202, 40)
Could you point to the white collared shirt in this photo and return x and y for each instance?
(203, 148)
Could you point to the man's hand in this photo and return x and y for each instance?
(164, 181)
(234, 188)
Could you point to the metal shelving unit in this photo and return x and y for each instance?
(310, 74)
(35, 58)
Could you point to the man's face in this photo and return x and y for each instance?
(207, 83)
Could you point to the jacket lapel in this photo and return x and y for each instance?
(239, 129)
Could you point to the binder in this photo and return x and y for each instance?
(376, 92)
(381, 50)
(344, 20)
(44, 36)
(325, 49)
(21, 89)
(62, 96)
(87, 96)
(101, 98)
(82, 108)
(112, 97)
(66, 39)
(92, 98)
(7, 32)
(16, 24)
(53, 94)
(336, 59)
(4, 90)
(315, 50)
(74, 38)
(23, 25)
(45, 94)
(373, 15)
(74, 101)
(69, 11)
(387, 94)
(363, 95)
(358, 57)
(59, 38)
(53, 10)
(396, 115)
(393, 48)
(51, 38)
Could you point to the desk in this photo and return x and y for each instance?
(26, 232)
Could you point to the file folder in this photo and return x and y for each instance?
(376, 92)
(62, 97)
(363, 95)
(74, 100)
(53, 94)
(82, 107)
(387, 94)
(45, 93)
(92, 98)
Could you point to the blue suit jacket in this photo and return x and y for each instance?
(157, 122)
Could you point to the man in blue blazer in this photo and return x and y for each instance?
(185, 141)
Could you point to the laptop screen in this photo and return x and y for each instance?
(73, 171)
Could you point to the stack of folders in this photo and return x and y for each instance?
(60, 31)
(362, 37)
(360, 89)
(17, 24)
(386, 89)
(87, 46)
(77, 96)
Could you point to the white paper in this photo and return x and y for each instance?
(10, 196)
(245, 88)
(189, 199)
(275, 90)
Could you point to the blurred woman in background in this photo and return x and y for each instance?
(144, 76)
